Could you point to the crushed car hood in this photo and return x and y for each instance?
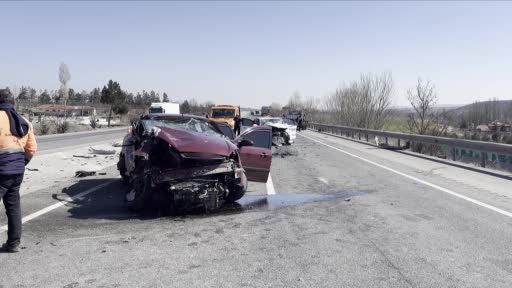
(277, 125)
(185, 141)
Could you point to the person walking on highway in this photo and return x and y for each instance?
(17, 147)
(238, 124)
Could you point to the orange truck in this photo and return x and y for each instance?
(225, 114)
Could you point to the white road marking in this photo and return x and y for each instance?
(59, 204)
(270, 186)
(323, 180)
(86, 238)
(474, 201)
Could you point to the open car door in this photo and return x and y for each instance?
(256, 158)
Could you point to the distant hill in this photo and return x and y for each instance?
(405, 111)
(500, 106)
(483, 112)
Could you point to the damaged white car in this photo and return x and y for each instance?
(282, 132)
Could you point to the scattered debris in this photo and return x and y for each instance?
(53, 244)
(101, 151)
(32, 169)
(348, 199)
(84, 156)
(82, 173)
(102, 173)
(103, 251)
(117, 144)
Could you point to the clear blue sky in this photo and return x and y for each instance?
(255, 53)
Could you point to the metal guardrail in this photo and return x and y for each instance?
(425, 139)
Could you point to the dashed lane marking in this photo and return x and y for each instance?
(448, 191)
(270, 186)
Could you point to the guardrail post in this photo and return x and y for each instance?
(386, 140)
(359, 135)
(483, 157)
(366, 137)
(454, 157)
(399, 142)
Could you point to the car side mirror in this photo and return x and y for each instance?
(245, 142)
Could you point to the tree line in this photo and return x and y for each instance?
(27, 94)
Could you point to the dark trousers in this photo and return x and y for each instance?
(237, 130)
(10, 195)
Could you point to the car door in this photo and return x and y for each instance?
(256, 159)
(246, 124)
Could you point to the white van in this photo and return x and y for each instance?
(164, 108)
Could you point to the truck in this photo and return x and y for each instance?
(224, 114)
(294, 115)
(164, 108)
(265, 110)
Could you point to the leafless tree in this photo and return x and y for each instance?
(295, 101)
(424, 119)
(364, 103)
(275, 109)
(64, 77)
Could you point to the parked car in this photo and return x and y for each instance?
(184, 162)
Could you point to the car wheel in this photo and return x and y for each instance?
(236, 192)
(139, 197)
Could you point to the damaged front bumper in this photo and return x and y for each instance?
(178, 174)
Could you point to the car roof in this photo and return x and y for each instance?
(170, 116)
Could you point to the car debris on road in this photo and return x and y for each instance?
(101, 151)
(82, 173)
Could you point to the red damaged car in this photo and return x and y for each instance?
(182, 162)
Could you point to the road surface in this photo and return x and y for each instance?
(344, 214)
(54, 143)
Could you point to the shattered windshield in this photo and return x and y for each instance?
(188, 124)
(217, 113)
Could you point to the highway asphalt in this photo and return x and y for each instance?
(55, 143)
(345, 214)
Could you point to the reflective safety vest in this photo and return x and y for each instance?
(14, 150)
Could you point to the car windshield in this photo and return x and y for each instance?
(156, 110)
(216, 113)
(184, 123)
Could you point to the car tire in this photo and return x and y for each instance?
(142, 198)
(237, 192)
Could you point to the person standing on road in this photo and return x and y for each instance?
(17, 147)
(238, 124)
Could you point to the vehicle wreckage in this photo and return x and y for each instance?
(183, 162)
(282, 133)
